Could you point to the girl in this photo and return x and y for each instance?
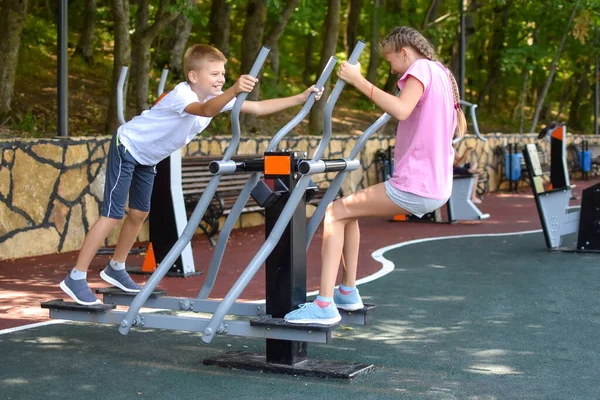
(428, 112)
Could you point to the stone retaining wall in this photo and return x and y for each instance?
(51, 189)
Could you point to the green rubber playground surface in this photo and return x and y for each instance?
(469, 318)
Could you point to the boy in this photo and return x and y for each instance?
(149, 138)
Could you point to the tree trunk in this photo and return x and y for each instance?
(252, 39)
(542, 95)
(219, 25)
(353, 24)
(375, 38)
(122, 54)
(183, 28)
(143, 37)
(469, 32)
(275, 33)
(494, 53)
(583, 89)
(521, 106)
(330, 37)
(85, 44)
(12, 18)
(308, 59)
(431, 14)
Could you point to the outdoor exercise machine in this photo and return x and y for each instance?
(287, 234)
(559, 170)
(459, 207)
(558, 219)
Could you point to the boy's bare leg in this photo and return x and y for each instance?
(93, 240)
(370, 202)
(129, 231)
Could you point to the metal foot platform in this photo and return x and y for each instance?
(108, 291)
(315, 368)
(357, 317)
(267, 321)
(60, 304)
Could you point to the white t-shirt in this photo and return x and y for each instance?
(156, 133)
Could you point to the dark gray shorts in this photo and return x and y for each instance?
(125, 175)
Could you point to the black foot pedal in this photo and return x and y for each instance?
(357, 317)
(60, 304)
(116, 291)
(270, 322)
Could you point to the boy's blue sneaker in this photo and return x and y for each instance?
(311, 313)
(348, 302)
(79, 290)
(120, 279)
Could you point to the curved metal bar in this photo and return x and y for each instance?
(258, 260)
(235, 111)
(472, 108)
(163, 80)
(120, 88)
(192, 224)
(286, 215)
(242, 199)
(333, 97)
(337, 182)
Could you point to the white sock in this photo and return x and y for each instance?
(77, 274)
(116, 265)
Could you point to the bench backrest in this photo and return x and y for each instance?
(532, 161)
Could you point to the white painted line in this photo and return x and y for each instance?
(388, 266)
(31, 326)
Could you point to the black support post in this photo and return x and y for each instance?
(286, 274)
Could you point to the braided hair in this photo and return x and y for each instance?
(404, 36)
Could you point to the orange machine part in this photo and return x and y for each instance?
(559, 133)
(277, 165)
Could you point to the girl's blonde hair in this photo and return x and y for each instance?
(404, 36)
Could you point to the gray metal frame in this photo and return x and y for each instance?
(556, 216)
(295, 197)
(198, 212)
(242, 199)
(460, 205)
(193, 324)
(229, 306)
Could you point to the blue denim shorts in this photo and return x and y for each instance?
(124, 175)
(415, 204)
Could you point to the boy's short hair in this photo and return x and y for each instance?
(198, 53)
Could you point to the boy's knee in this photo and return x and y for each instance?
(137, 215)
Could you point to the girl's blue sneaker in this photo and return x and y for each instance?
(348, 302)
(311, 313)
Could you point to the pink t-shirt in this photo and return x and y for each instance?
(424, 154)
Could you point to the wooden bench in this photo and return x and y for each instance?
(195, 175)
(501, 152)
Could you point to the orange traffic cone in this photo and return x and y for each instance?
(149, 261)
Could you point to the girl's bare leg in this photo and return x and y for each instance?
(93, 240)
(350, 253)
(129, 231)
(341, 215)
